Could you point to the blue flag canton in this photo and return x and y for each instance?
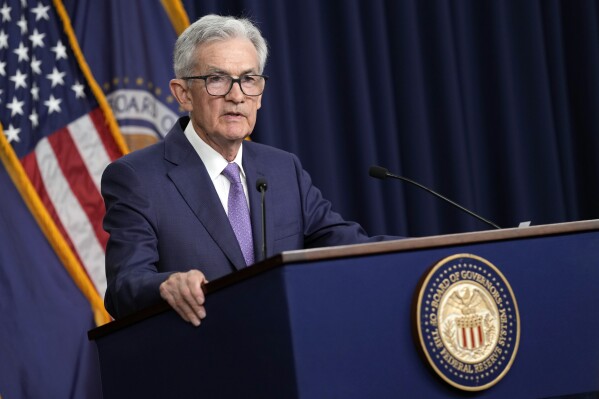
(43, 88)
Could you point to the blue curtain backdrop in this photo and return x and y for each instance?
(492, 103)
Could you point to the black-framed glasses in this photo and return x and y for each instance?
(221, 85)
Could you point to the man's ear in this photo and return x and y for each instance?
(180, 90)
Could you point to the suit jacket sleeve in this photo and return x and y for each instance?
(131, 254)
(324, 227)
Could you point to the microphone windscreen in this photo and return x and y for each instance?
(378, 171)
(261, 184)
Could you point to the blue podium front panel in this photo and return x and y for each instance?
(353, 326)
(344, 328)
(241, 350)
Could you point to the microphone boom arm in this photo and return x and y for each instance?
(381, 173)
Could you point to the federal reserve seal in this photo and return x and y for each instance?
(468, 322)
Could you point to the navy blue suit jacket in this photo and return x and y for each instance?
(163, 215)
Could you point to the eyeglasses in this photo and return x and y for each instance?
(220, 85)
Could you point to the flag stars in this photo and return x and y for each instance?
(3, 39)
(2, 68)
(12, 133)
(41, 12)
(37, 38)
(79, 90)
(22, 24)
(36, 65)
(35, 92)
(16, 107)
(5, 12)
(60, 50)
(53, 104)
(34, 118)
(22, 52)
(56, 77)
(19, 79)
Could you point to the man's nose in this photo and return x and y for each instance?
(235, 94)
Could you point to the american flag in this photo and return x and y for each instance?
(51, 117)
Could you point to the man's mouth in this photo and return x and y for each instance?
(234, 114)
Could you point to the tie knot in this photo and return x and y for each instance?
(231, 172)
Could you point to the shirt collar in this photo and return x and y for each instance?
(214, 162)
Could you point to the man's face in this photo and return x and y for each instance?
(220, 120)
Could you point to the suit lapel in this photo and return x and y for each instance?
(190, 177)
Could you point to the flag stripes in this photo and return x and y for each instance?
(90, 147)
(67, 179)
(46, 206)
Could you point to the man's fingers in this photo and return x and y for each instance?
(189, 314)
(191, 302)
(183, 291)
(175, 304)
(194, 283)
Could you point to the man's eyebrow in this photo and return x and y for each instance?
(218, 71)
(250, 71)
(215, 70)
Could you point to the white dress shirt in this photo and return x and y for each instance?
(215, 164)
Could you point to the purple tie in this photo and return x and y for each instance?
(239, 214)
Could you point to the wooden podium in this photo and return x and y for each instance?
(338, 323)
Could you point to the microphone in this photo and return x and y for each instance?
(261, 186)
(381, 173)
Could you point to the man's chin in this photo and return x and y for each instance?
(237, 135)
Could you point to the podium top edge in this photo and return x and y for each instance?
(306, 255)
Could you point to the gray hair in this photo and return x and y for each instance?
(210, 28)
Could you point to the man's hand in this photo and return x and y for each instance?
(183, 291)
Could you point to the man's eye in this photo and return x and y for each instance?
(217, 79)
(248, 79)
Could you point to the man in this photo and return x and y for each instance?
(186, 210)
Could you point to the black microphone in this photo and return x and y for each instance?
(381, 173)
(262, 186)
